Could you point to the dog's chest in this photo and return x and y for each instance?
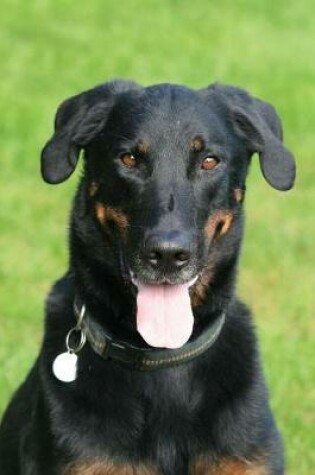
(160, 419)
(169, 444)
(156, 424)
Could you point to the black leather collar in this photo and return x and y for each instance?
(140, 358)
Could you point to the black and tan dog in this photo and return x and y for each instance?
(149, 364)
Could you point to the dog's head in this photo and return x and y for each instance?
(165, 170)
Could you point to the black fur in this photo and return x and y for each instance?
(214, 406)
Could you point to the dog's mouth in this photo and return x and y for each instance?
(164, 314)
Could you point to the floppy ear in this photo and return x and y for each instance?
(258, 123)
(263, 131)
(77, 122)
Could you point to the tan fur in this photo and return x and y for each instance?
(238, 195)
(199, 289)
(93, 188)
(202, 466)
(223, 218)
(143, 147)
(106, 467)
(197, 144)
(229, 467)
(106, 213)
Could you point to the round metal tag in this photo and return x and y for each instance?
(65, 367)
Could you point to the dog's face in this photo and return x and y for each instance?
(160, 172)
(165, 171)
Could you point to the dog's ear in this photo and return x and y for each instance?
(78, 120)
(76, 124)
(262, 129)
(258, 123)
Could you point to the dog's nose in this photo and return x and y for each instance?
(167, 250)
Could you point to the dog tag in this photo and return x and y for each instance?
(65, 367)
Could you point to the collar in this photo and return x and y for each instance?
(144, 359)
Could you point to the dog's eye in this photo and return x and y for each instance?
(128, 160)
(209, 163)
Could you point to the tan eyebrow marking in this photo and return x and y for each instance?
(143, 147)
(197, 144)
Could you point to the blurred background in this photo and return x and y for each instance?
(51, 49)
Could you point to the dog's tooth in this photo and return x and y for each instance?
(193, 281)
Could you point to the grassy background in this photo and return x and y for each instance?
(51, 49)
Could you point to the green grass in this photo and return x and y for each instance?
(51, 49)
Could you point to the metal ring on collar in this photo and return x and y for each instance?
(80, 344)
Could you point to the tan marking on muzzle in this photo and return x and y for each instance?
(107, 467)
(229, 467)
(198, 291)
(106, 214)
(218, 224)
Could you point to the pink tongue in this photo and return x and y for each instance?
(164, 316)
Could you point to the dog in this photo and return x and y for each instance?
(149, 363)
